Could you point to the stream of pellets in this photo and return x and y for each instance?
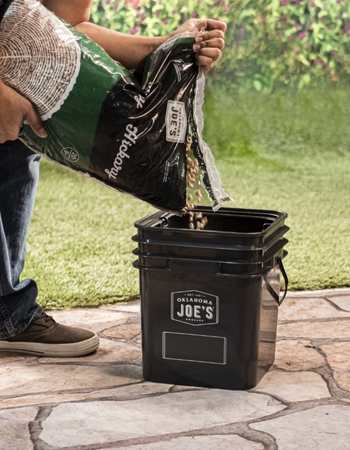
(196, 220)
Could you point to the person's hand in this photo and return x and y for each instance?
(210, 40)
(14, 110)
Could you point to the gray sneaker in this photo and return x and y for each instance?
(46, 337)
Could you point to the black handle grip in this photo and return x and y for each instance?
(273, 293)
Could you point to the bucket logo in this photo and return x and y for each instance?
(195, 308)
(176, 122)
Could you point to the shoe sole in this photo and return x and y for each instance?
(72, 350)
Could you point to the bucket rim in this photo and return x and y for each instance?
(153, 221)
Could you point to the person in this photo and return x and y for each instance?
(24, 326)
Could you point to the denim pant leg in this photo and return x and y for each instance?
(19, 172)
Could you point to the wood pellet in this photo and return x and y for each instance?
(196, 220)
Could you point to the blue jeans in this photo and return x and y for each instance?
(19, 173)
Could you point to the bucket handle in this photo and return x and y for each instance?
(273, 293)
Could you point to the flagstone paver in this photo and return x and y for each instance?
(158, 415)
(7, 358)
(14, 430)
(137, 389)
(309, 308)
(198, 442)
(25, 379)
(100, 402)
(126, 331)
(338, 356)
(294, 386)
(320, 293)
(129, 307)
(332, 329)
(319, 428)
(342, 301)
(297, 355)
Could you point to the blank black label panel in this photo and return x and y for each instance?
(194, 347)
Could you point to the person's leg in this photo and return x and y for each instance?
(24, 326)
(19, 173)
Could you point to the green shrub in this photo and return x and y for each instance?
(288, 42)
(152, 17)
(270, 43)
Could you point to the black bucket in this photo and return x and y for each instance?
(210, 298)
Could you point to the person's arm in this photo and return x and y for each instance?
(128, 49)
(131, 50)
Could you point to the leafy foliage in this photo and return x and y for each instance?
(281, 42)
(270, 43)
(152, 17)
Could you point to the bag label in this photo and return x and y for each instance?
(70, 154)
(129, 139)
(176, 122)
(195, 308)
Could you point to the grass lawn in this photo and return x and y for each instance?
(281, 152)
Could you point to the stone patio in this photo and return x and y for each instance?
(100, 401)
